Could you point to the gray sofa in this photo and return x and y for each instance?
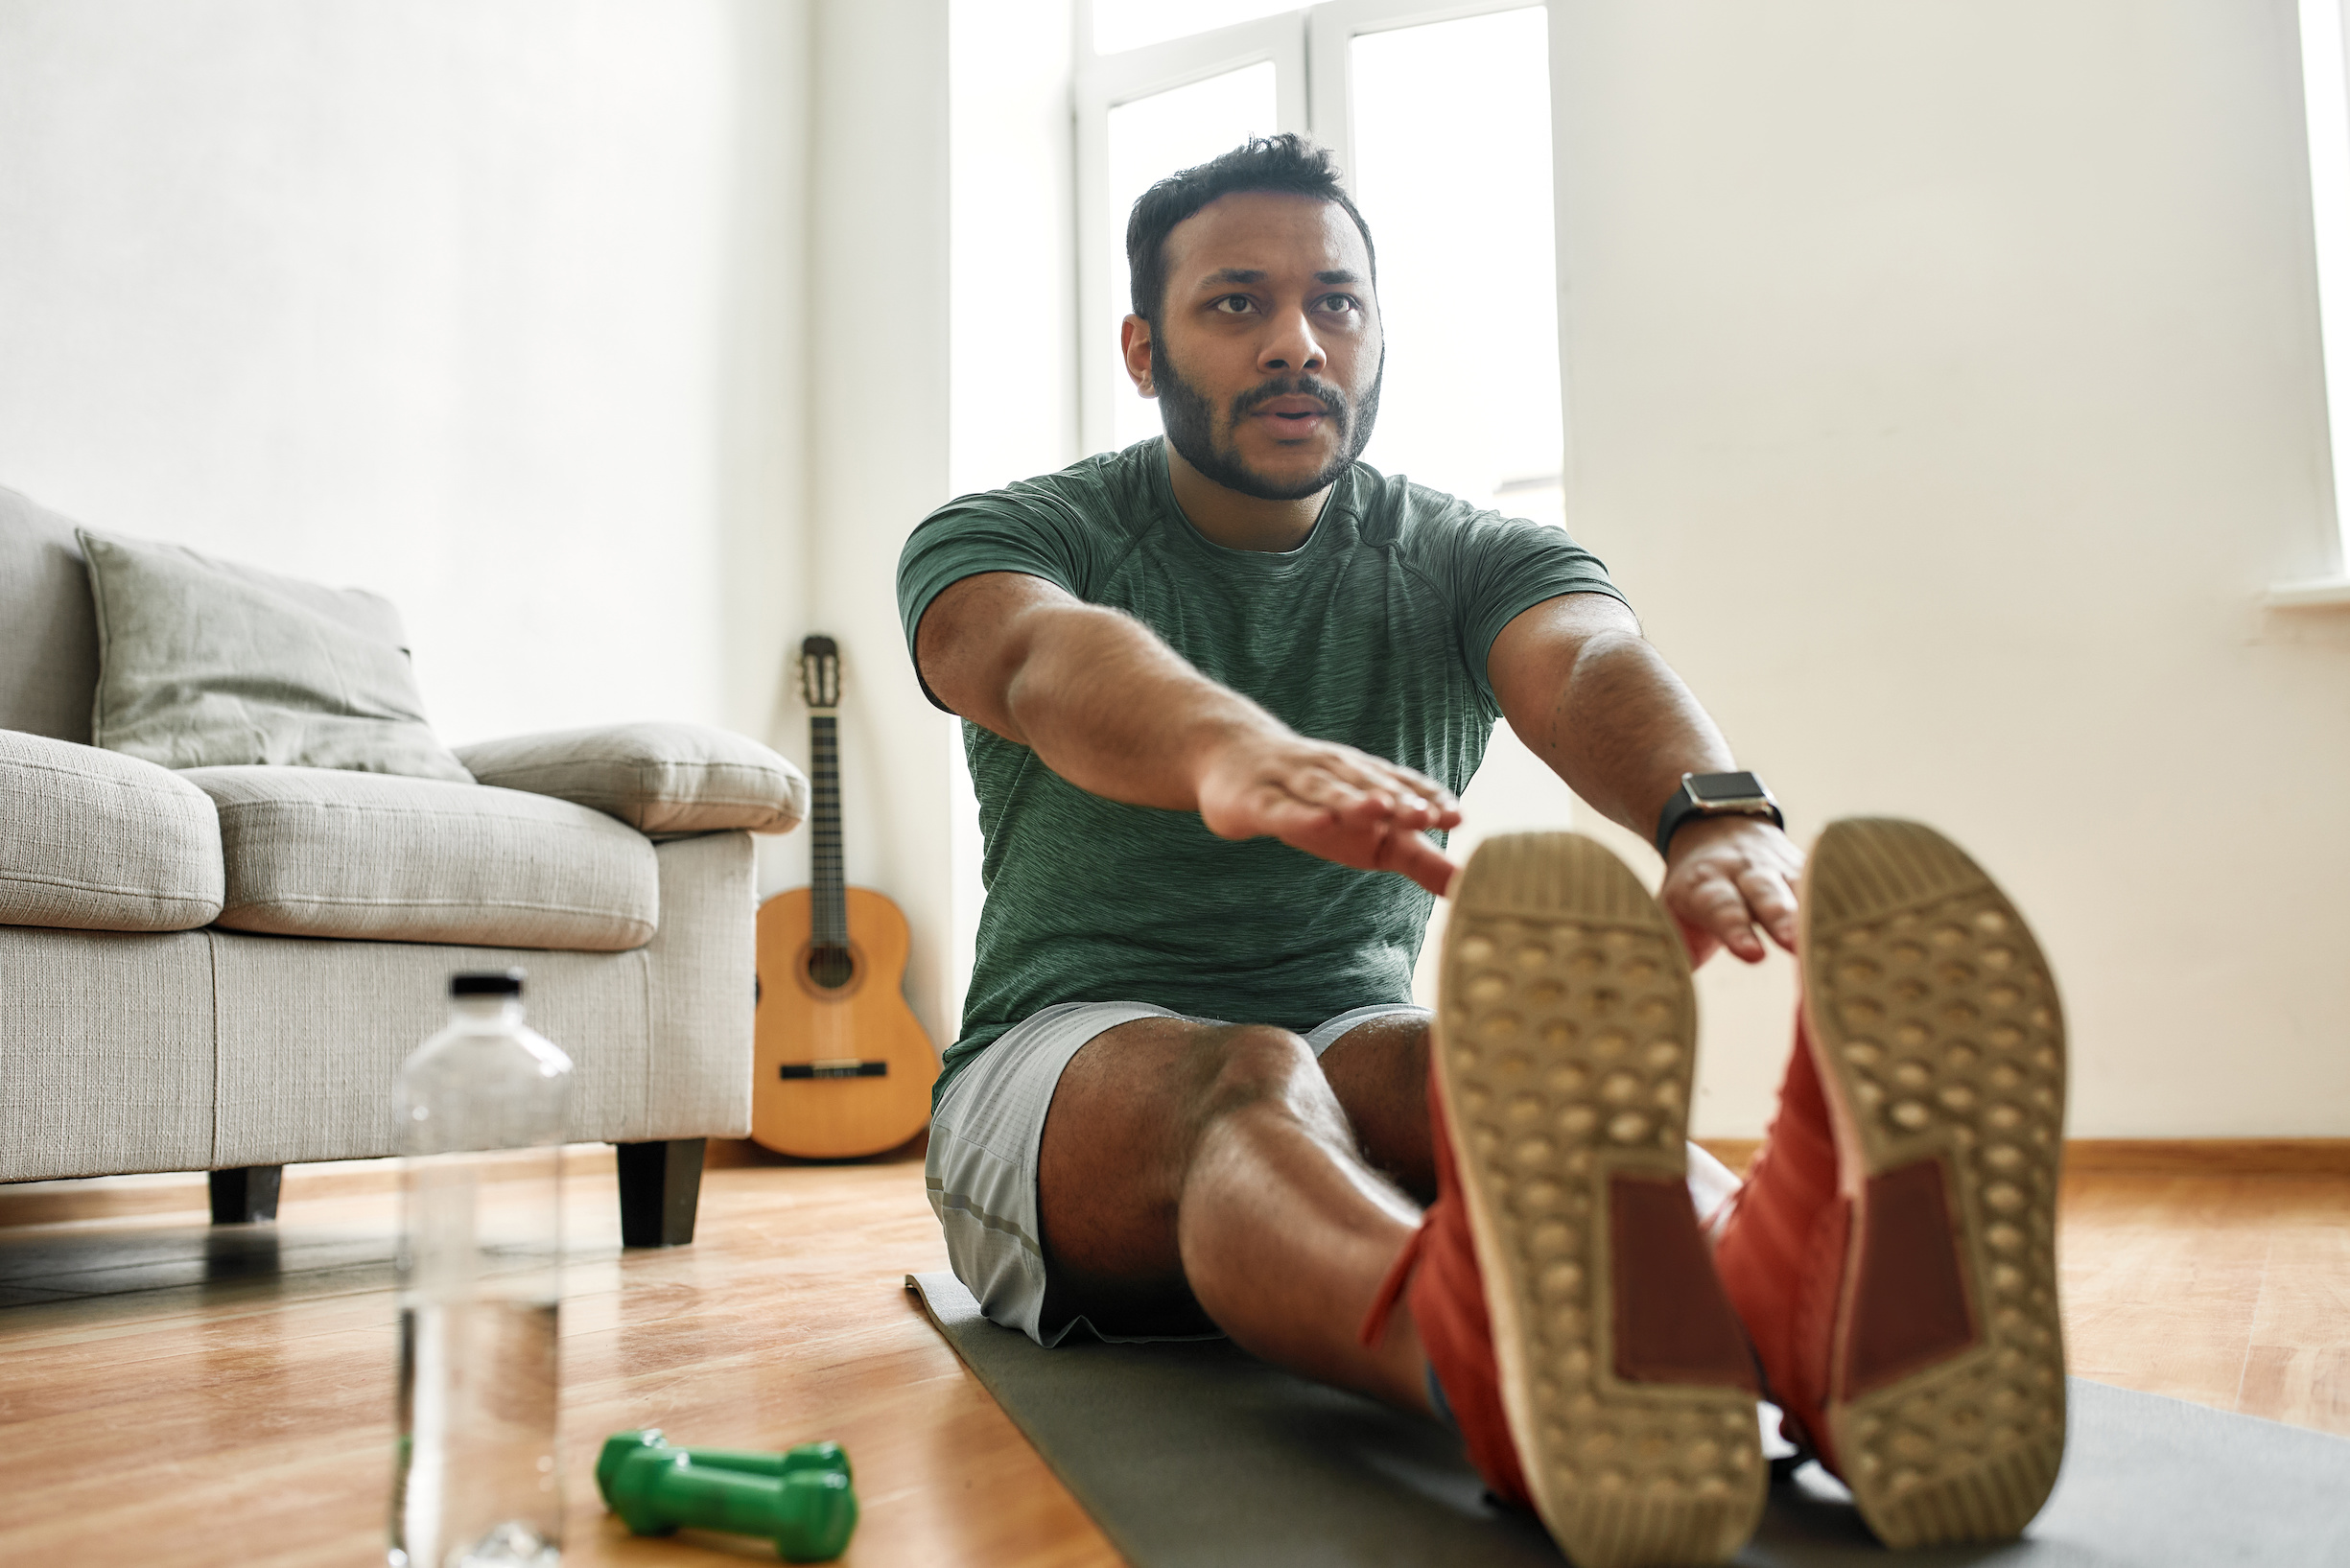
(221, 969)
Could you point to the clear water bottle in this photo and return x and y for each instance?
(483, 1111)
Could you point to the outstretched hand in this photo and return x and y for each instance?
(1330, 800)
(1727, 877)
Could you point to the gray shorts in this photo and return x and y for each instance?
(981, 1167)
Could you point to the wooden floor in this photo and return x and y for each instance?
(173, 1393)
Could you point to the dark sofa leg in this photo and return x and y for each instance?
(242, 1196)
(660, 1185)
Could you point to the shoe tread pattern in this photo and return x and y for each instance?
(1565, 1039)
(1939, 1031)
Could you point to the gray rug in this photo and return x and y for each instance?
(1197, 1454)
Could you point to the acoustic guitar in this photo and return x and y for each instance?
(844, 1067)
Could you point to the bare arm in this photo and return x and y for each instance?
(1589, 695)
(1112, 709)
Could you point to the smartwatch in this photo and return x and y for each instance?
(1714, 795)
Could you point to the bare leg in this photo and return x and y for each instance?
(1379, 1072)
(1193, 1171)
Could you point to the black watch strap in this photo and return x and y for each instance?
(1715, 795)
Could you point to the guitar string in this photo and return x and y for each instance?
(833, 895)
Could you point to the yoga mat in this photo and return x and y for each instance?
(1199, 1454)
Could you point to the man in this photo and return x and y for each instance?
(1219, 691)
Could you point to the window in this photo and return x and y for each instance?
(1143, 114)
(1451, 124)
(1441, 111)
(1144, 140)
(2328, 106)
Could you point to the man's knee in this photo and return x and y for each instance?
(1255, 1064)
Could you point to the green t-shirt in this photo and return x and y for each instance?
(1374, 632)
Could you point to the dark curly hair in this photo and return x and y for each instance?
(1288, 162)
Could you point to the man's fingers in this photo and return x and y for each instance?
(1346, 807)
(1722, 909)
(1366, 797)
(1284, 816)
(1700, 943)
(1373, 809)
(1326, 790)
(1740, 877)
(1409, 852)
(1406, 790)
(1441, 808)
(1773, 902)
(1382, 847)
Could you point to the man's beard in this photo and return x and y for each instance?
(1190, 427)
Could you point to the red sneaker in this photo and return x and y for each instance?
(1437, 1270)
(1559, 1284)
(1774, 1252)
(1892, 1252)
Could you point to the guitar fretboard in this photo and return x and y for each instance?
(828, 874)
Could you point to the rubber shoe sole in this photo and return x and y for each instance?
(1940, 1049)
(1565, 1038)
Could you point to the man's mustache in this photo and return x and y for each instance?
(1332, 400)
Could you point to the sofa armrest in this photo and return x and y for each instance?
(656, 777)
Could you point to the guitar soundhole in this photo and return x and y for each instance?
(831, 968)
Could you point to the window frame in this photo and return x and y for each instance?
(1310, 50)
(2324, 32)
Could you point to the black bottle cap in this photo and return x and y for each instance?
(486, 983)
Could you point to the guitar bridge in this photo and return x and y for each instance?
(839, 1067)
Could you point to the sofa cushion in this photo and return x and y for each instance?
(323, 852)
(204, 663)
(97, 841)
(48, 631)
(656, 777)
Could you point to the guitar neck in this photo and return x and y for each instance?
(828, 874)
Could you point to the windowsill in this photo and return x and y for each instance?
(2309, 594)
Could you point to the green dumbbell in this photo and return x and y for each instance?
(808, 1456)
(809, 1513)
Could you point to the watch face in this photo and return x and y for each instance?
(1718, 788)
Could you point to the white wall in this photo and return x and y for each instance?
(1013, 363)
(608, 338)
(491, 305)
(1012, 360)
(1943, 387)
(878, 422)
(1943, 383)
